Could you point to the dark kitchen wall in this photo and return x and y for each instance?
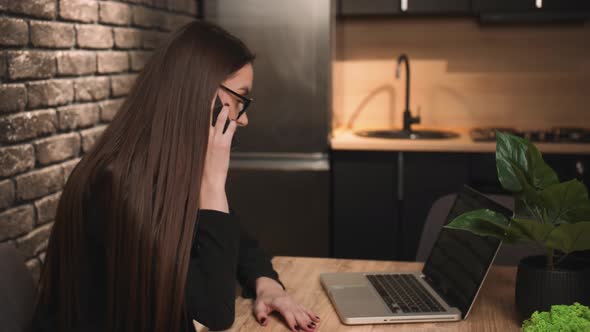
(65, 68)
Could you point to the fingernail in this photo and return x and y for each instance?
(312, 323)
(318, 317)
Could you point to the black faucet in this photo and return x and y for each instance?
(408, 118)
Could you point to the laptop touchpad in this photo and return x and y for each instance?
(358, 301)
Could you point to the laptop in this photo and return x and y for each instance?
(444, 290)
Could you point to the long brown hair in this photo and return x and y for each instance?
(154, 152)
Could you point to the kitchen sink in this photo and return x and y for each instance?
(403, 134)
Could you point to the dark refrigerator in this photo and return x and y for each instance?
(279, 178)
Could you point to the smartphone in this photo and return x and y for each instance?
(216, 110)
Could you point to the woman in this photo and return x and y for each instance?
(144, 239)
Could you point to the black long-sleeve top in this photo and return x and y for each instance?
(222, 251)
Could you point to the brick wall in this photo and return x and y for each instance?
(65, 68)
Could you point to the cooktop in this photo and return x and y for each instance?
(551, 135)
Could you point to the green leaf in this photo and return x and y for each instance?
(570, 237)
(531, 230)
(539, 172)
(566, 202)
(482, 222)
(519, 163)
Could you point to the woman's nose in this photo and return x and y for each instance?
(243, 120)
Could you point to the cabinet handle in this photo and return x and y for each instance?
(405, 5)
(539, 3)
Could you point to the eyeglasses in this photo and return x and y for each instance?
(245, 101)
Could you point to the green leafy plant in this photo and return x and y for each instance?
(554, 215)
(575, 317)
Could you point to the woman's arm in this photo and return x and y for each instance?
(210, 286)
(253, 263)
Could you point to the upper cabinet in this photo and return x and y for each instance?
(486, 10)
(359, 8)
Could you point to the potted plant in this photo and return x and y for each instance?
(548, 213)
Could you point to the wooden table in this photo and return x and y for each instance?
(493, 310)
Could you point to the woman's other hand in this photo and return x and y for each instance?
(270, 297)
(212, 194)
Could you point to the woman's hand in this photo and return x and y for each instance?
(212, 194)
(270, 297)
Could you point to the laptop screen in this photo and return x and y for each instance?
(459, 260)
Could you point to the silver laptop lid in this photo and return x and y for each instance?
(460, 260)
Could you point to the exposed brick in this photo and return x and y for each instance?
(94, 36)
(139, 59)
(47, 207)
(67, 167)
(175, 21)
(89, 137)
(153, 39)
(16, 159)
(16, 221)
(57, 148)
(50, 93)
(115, 13)
(13, 97)
(26, 125)
(109, 108)
(6, 193)
(91, 88)
(121, 84)
(147, 17)
(128, 38)
(36, 8)
(76, 62)
(112, 61)
(39, 183)
(52, 34)
(15, 32)
(30, 64)
(33, 243)
(35, 268)
(2, 65)
(77, 116)
(78, 10)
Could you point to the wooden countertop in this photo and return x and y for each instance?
(493, 310)
(347, 140)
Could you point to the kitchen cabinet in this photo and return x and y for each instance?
(498, 10)
(287, 211)
(381, 199)
(436, 7)
(402, 7)
(351, 8)
(528, 5)
(364, 205)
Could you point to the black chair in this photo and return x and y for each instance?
(509, 254)
(17, 291)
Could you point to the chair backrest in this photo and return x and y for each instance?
(509, 254)
(17, 291)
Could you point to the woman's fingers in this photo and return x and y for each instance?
(290, 318)
(311, 315)
(231, 129)
(221, 118)
(304, 321)
(260, 312)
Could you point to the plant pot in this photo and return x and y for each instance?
(538, 288)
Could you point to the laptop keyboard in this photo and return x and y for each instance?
(404, 293)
